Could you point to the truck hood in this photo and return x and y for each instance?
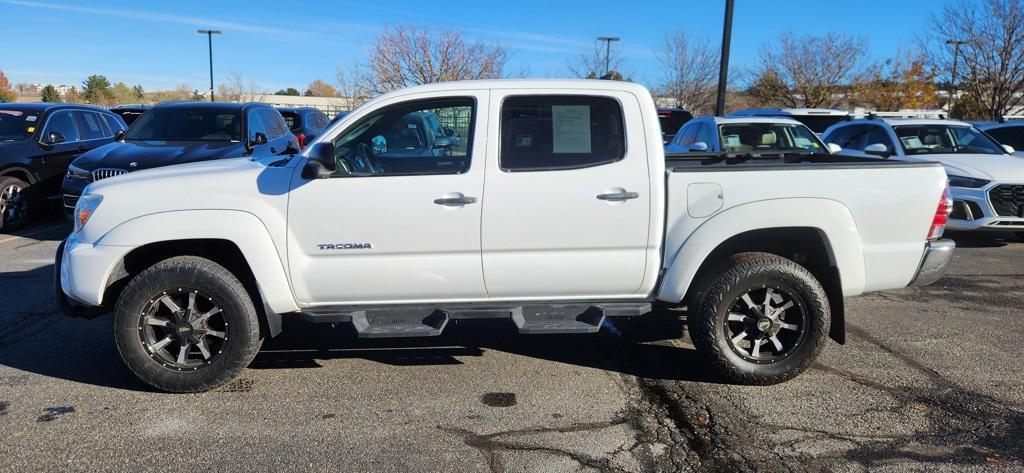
(135, 155)
(992, 167)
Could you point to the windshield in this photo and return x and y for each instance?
(945, 139)
(16, 125)
(184, 124)
(744, 137)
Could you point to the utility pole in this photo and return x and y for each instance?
(956, 43)
(723, 69)
(209, 37)
(607, 53)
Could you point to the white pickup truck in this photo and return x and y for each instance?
(550, 203)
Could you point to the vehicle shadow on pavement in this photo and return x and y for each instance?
(981, 239)
(36, 338)
(622, 348)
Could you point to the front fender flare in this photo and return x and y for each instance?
(243, 229)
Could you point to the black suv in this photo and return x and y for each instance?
(37, 142)
(183, 132)
(130, 112)
(306, 123)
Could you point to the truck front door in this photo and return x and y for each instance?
(399, 221)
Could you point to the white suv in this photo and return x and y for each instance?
(986, 181)
(745, 134)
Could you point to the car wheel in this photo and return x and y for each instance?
(186, 324)
(13, 203)
(762, 319)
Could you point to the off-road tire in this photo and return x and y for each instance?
(736, 276)
(239, 348)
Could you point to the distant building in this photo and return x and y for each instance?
(329, 105)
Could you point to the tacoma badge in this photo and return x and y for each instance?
(345, 246)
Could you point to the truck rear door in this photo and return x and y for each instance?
(567, 198)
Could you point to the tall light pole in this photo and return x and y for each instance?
(956, 43)
(608, 53)
(209, 38)
(723, 67)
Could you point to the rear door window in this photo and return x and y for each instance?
(551, 132)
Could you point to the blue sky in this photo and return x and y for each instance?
(281, 44)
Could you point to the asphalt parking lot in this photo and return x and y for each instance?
(930, 378)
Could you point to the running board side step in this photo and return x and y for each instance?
(428, 321)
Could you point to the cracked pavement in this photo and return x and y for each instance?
(930, 378)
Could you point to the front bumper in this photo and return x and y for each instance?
(973, 210)
(71, 190)
(82, 272)
(937, 255)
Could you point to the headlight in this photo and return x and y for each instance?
(86, 206)
(961, 181)
(75, 172)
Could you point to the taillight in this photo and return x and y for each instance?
(941, 216)
(302, 140)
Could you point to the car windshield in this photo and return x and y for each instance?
(187, 124)
(16, 125)
(744, 137)
(945, 139)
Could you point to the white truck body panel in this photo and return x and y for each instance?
(530, 236)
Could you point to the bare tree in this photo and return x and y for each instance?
(353, 82)
(689, 72)
(809, 71)
(406, 56)
(238, 87)
(991, 59)
(591, 64)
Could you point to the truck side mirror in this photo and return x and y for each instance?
(878, 149)
(321, 161)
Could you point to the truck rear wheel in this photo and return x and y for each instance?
(186, 324)
(762, 319)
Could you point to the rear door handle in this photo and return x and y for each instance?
(455, 201)
(618, 196)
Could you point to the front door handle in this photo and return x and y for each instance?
(618, 196)
(455, 201)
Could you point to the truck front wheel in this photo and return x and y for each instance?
(762, 319)
(186, 324)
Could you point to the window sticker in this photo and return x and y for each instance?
(30, 118)
(31, 129)
(570, 128)
(804, 142)
(732, 140)
(912, 142)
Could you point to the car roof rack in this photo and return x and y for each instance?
(926, 114)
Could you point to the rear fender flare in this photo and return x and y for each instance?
(829, 217)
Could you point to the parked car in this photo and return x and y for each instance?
(1007, 133)
(580, 220)
(817, 119)
(306, 123)
(742, 135)
(130, 112)
(183, 132)
(670, 120)
(337, 118)
(37, 141)
(986, 181)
